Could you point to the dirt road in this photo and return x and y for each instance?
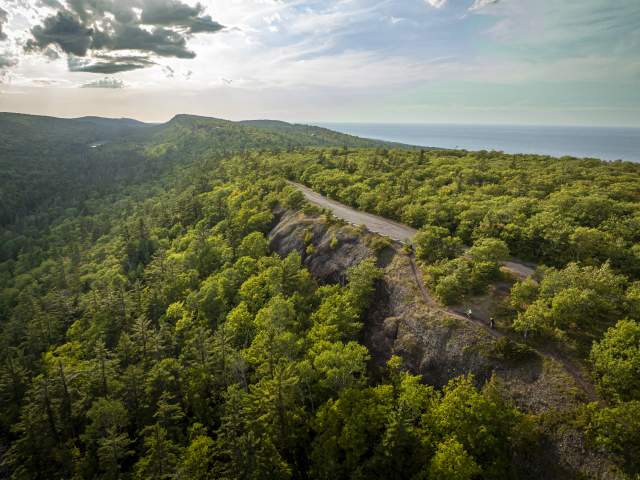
(374, 223)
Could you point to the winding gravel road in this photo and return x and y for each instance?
(389, 228)
(374, 223)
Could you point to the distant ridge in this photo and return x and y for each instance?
(123, 120)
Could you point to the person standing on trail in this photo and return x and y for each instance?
(469, 314)
(492, 323)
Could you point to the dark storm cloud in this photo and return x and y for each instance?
(168, 12)
(175, 13)
(64, 30)
(92, 10)
(204, 24)
(161, 41)
(3, 20)
(108, 65)
(91, 27)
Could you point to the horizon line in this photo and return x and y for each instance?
(324, 123)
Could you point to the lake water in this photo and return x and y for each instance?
(607, 143)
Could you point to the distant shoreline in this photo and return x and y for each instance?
(604, 143)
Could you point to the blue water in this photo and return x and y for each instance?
(606, 143)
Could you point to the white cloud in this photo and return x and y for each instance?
(480, 4)
(271, 19)
(436, 3)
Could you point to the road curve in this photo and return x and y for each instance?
(389, 228)
(374, 223)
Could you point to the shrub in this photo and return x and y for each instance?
(436, 243)
(450, 289)
(506, 350)
(616, 361)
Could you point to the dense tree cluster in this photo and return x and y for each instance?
(154, 335)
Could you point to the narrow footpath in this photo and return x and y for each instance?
(576, 372)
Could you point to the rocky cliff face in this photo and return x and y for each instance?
(440, 347)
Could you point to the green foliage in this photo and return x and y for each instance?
(341, 366)
(616, 361)
(490, 250)
(294, 199)
(509, 351)
(616, 430)
(253, 245)
(524, 293)
(575, 300)
(435, 243)
(408, 430)
(160, 457)
(378, 243)
(147, 330)
(450, 288)
(452, 462)
(483, 422)
(196, 460)
(362, 278)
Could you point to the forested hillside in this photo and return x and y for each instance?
(149, 331)
(54, 162)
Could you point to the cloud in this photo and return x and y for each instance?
(436, 3)
(161, 41)
(204, 24)
(51, 53)
(90, 28)
(106, 82)
(108, 65)
(7, 60)
(50, 3)
(175, 13)
(480, 4)
(168, 71)
(64, 30)
(3, 20)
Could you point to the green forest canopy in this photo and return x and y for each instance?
(147, 330)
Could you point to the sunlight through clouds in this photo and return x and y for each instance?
(367, 49)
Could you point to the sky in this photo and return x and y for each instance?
(557, 62)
